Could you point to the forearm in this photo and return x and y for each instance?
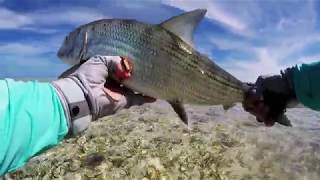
(32, 119)
(307, 84)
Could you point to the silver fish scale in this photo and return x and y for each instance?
(164, 66)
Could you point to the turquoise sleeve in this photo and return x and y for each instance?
(306, 78)
(32, 120)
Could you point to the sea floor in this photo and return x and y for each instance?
(149, 142)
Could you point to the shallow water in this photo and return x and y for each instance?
(279, 152)
(150, 142)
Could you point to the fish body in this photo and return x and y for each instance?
(165, 64)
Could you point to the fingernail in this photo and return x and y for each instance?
(126, 64)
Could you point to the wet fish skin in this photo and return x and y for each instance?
(165, 66)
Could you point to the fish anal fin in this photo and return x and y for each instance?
(180, 110)
(184, 25)
(283, 120)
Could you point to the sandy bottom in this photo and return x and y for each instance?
(150, 142)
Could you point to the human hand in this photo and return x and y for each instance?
(268, 98)
(102, 95)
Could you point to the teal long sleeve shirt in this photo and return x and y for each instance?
(32, 120)
(306, 79)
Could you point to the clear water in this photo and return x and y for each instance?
(269, 153)
(228, 144)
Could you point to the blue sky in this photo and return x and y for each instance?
(245, 37)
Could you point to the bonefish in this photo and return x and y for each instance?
(165, 64)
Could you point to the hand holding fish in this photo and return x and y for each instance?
(102, 95)
(268, 98)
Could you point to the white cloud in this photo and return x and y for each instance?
(31, 58)
(246, 70)
(29, 62)
(22, 48)
(30, 66)
(72, 16)
(41, 30)
(256, 18)
(12, 20)
(32, 47)
(26, 48)
(281, 30)
(35, 21)
(268, 59)
(214, 13)
(229, 44)
(309, 59)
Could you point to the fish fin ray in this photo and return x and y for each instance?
(184, 25)
(180, 110)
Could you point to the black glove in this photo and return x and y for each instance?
(268, 98)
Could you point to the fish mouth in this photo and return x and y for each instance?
(60, 54)
(63, 54)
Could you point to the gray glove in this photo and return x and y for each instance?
(269, 97)
(87, 95)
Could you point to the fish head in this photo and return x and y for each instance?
(72, 47)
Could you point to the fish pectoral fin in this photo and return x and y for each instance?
(180, 110)
(226, 107)
(184, 24)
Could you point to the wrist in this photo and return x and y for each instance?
(287, 76)
(75, 105)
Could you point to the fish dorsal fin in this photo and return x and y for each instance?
(184, 25)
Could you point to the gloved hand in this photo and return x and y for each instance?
(268, 98)
(87, 92)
